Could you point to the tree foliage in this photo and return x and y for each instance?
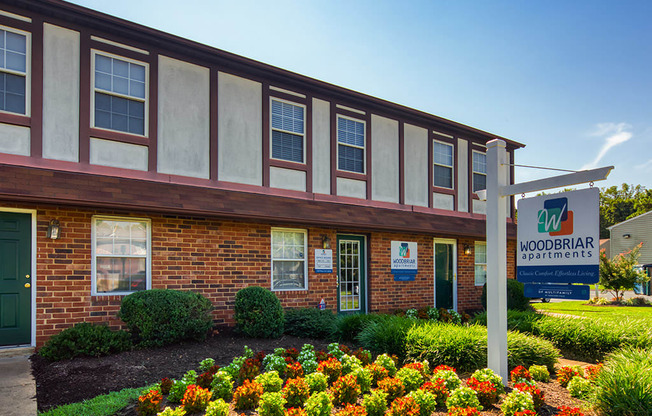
(619, 274)
(619, 204)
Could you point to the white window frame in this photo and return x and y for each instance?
(452, 166)
(28, 71)
(271, 129)
(93, 90)
(364, 148)
(475, 263)
(305, 258)
(473, 171)
(148, 256)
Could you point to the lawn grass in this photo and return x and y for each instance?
(104, 405)
(580, 308)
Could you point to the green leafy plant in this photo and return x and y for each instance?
(217, 408)
(332, 368)
(195, 399)
(179, 387)
(387, 363)
(294, 370)
(433, 314)
(222, 386)
(352, 410)
(271, 404)
(317, 382)
(485, 390)
(204, 380)
(579, 387)
(349, 363)
(516, 300)
(163, 316)
(276, 362)
(538, 397)
(85, 339)
(375, 403)
(377, 373)
(412, 379)
(345, 390)
(450, 378)
(166, 385)
(249, 369)
(363, 378)
(437, 387)
(411, 313)
(519, 374)
(270, 381)
(516, 401)
(295, 411)
(487, 374)
(393, 387)
(349, 326)
(463, 397)
(258, 313)
(335, 350)
(619, 274)
(296, 392)
(310, 323)
(427, 401)
(403, 406)
(566, 373)
(168, 411)
(592, 372)
(206, 364)
(539, 373)
(149, 404)
(308, 359)
(386, 334)
(319, 404)
(247, 395)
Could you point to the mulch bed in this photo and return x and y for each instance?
(72, 381)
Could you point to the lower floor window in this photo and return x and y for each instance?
(121, 255)
(289, 267)
(480, 263)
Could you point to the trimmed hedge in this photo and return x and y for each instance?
(310, 322)
(85, 339)
(162, 316)
(516, 299)
(258, 313)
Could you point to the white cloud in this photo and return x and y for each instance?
(644, 166)
(613, 134)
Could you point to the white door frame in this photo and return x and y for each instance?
(362, 259)
(452, 242)
(33, 267)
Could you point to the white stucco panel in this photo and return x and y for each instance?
(15, 140)
(415, 162)
(118, 155)
(321, 146)
(462, 175)
(443, 201)
(183, 142)
(384, 159)
(479, 207)
(60, 93)
(294, 180)
(352, 188)
(240, 120)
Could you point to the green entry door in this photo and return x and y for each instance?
(351, 274)
(15, 279)
(445, 273)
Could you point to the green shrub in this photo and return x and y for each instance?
(349, 326)
(217, 408)
(179, 387)
(222, 386)
(85, 339)
(411, 378)
(310, 323)
(270, 381)
(487, 374)
(317, 382)
(539, 373)
(463, 397)
(580, 387)
(386, 334)
(363, 378)
(319, 404)
(515, 298)
(375, 403)
(161, 316)
(465, 347)
(623, 385)
(386, 362)
(258, 313)
(168, 411)
(427, 402)
(517, 401)
(271, 404)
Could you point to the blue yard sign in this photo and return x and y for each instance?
(579, 292)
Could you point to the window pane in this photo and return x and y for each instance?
(443, 154)
(288, 275)
(103, 64)
(119, 76)
(103, 81)
(480, 274)
(479, 182)
(286, 116)
(479, 162)
(137, 89)
(287, 146)
(350, 159)
(16, 61)
(119, 113)
(120, 274)
(121, 85)
(350, 132)
(12, 93)
(120, 68)
(481, 253)
(443, 177)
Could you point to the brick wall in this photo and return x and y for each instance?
(217, 258)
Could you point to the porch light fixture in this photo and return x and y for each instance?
(54, 230)
(325, 241)
(467, 249)
(627, 236)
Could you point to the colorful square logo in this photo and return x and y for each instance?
(555, 218)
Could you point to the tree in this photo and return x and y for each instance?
(619, 204)
(619, 274)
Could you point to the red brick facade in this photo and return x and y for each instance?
(217, 258)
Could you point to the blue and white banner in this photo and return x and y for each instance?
(323, 260)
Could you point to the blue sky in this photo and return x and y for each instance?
(570, 79)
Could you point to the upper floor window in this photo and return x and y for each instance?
(289, 265)
(13, 71)
(443, 164)
(350, 145)
(121, 255)
(480, 263)
(479, 171)
(288, 131)
(120, 94)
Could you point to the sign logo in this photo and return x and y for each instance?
(404, 251)
(555, 218)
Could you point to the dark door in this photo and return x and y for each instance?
(445, 274)
(15, 279)
(351, 274)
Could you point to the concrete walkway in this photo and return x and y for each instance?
(17, 386)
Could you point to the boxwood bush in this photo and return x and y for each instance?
(258, 313)
(162, 316)
(87, 339)
(516, 300)
(310, 322)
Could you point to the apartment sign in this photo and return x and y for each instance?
(558, 238)
(404, 260)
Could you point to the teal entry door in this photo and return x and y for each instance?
(15, 279)
(351, 274)
(445, 260)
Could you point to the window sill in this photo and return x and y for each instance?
(118, 136)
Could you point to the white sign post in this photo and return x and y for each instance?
(496, 195)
